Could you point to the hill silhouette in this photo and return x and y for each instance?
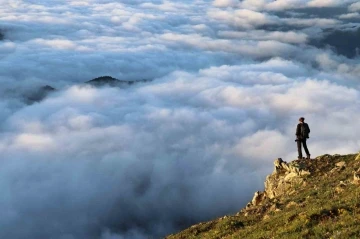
(40, 93)
(317, 198)
(111, 81)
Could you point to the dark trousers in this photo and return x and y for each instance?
(303, 142)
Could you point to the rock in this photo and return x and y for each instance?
(357, 177)
(274, 208)
(279, 165)
(304, 173)
(342, 184)
(341, 187)
(290, 177)
(276, 186)
(334, 170)
(285, 177)
(341, 164)
(291, 204)
(338, 167)
(293, 167)
(325, 156)
(357, 157)
(266, 217)
(278, 162)
(258, 198)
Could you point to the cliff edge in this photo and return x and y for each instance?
(317, 198)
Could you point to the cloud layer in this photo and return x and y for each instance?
(230, 80)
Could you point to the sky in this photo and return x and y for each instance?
(228, 81)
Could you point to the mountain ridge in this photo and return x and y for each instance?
(40, 93)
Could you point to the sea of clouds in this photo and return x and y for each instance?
(229, 80)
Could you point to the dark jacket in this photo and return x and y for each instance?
(298, 131)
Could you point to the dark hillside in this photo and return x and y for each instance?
(110, 81)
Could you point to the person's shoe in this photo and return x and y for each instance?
(308, 156)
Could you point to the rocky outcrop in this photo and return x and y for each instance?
(283, 180)
(285, 176)
(295, 167)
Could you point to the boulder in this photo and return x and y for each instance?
(357, 177)
(340, 164)
(292, 204)
(338, 167)
(258, 198)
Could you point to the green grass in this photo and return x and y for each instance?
(320, 209)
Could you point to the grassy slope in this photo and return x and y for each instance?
(322, 207)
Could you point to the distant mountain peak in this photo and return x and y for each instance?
(47, 88)
(39, 94)
(103, 80)
(111, 81)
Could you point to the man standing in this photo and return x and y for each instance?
(302, 133)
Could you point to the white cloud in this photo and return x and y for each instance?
(33, 142)
(225, 3)
(323, 3)
(317, 22)
(350, 15)
(244, 47)
(354, 7)
(230, 80)
(280, 5)
(243, 18)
